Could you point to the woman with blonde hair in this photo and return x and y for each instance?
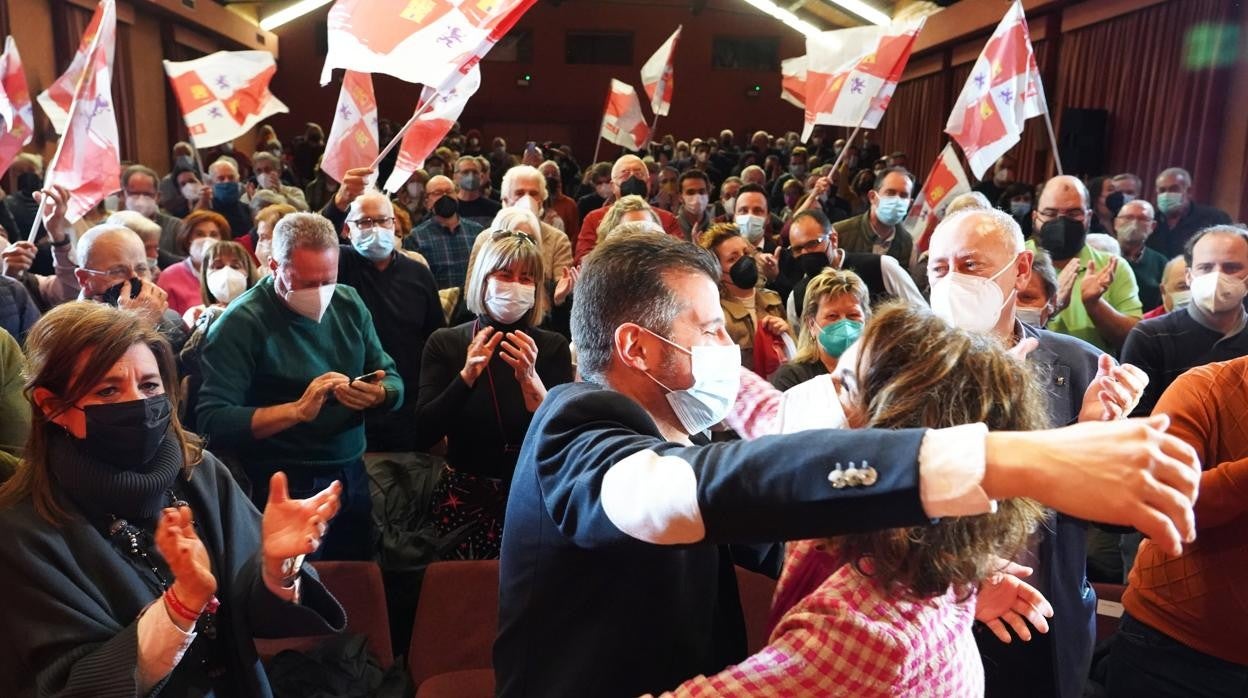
(834, 309)
(135, 565)
(481, 382)
(627, 209)
(748, 307)
(890, 613)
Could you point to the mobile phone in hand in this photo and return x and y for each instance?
(370, 377)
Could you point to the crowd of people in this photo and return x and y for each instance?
(637, 373)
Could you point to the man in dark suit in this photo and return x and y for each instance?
(1081, 384)
(615, 579)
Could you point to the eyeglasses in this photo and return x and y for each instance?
(121, 272)
(812, 246)
(504, 234)
(370, 223)
(1074, 214)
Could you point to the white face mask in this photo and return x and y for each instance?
(142, 203)
(1180, 299)
(199, 246)
(415, 190)
(268, 180)
(1216, 292)
(696, 203)
(530, 204)
(1130, 232)
(969, 302)
(508, 301)
(192, 190)
(311, 302)
(226, 284)
(1030, 316)
(716, 381)
(751, 227)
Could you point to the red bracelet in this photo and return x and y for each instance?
(181, 609)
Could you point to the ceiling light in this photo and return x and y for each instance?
(784, 16)
(291, 13)
(861, 9)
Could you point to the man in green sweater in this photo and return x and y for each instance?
(290, 370)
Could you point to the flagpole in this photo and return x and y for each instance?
(421, 109)
(1048, 123)
(60, 142)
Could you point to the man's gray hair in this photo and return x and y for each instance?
(374, 195)
(145, 227)
(224, 161)
(92, 236)
(144, 170)
(970, 201)
(1176, 172)
(986, 220)
(625, 279)
(265, 156)
(519, 172)
(264, 198)
(635, 228)
(1105, 243)
(308, 231)
(1139, 183)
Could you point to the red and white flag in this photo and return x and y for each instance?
(55, 100)
(1004, 90)
(851, 74)
(431, 127)
(352, 140)
(87, 161)
(622, 121)
(431, 42)
(943, 183)
(224, 94)
(15, 107)
(656, 75)
(793, 81)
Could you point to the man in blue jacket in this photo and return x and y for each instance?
(615, 576)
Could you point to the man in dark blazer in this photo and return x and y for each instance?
(616, 579)
(1081, 383)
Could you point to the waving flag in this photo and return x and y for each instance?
(1004, 90)
(431, 127)
(15, 107)
(55, 100)
(352, 140)
(86, 160)
(945, 182)
(793, 81)
(224, 94)
(851, 74)
(622, 122)
(656, 75)
(425, 41)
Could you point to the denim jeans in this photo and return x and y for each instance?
(1146, 663)
(351, 535)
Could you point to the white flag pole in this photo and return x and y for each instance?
(1048, 123)
(421, 109)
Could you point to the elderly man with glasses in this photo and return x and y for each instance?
(403, 299)
(1104, 299)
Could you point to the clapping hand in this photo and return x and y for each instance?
(566, 284)
(479, 353)
(1065, 286)
(1096, 282)
(1114, 392)
(294, 527)
(194, 584)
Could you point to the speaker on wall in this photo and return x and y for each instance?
(1083, 141)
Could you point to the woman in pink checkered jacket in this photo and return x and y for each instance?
(890, 613)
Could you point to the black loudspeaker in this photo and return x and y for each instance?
(1083, 141)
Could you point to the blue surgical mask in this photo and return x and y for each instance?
(470, 181)
(716, 381)
(1020, 208)
(836, 337)
(891, 210)
(377, 244)
(226, 192)
(751, 227)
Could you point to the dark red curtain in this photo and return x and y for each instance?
(904, 126)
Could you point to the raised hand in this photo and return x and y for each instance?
(1065, 286)
(354, 182)
(293, 527)
(520, 352)
(194, 582)
(566, 284)
(479, 353)
(1096, 282)
(1005, 599)
(17, 258)
(53, 205)
(1114, 392)
(151, 303)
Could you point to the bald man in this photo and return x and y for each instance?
(114, 270)
(445, 238)
(629, 175)
(1133, 226)
(1104, 303)
(1079, 383)
(1178, 215)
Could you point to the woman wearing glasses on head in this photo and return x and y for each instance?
(480, 383)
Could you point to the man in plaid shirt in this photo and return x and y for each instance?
(444, 238)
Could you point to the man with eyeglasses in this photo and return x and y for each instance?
(813, 242)
(1104, 303)
(403, 299)
(1133, 225)
(113, 269)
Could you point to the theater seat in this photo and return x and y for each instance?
(1108, 609)
(453, 633)
(358, 587)
(756, 591)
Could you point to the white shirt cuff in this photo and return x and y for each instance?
(288, 594)
(161, 645)
(951, 472)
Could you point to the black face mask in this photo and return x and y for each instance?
(446, 207)
(744, 273)
(812, 263)
(1063, 238)
(126, 435)
(633, 187)
(28, 183)
(113, 295)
